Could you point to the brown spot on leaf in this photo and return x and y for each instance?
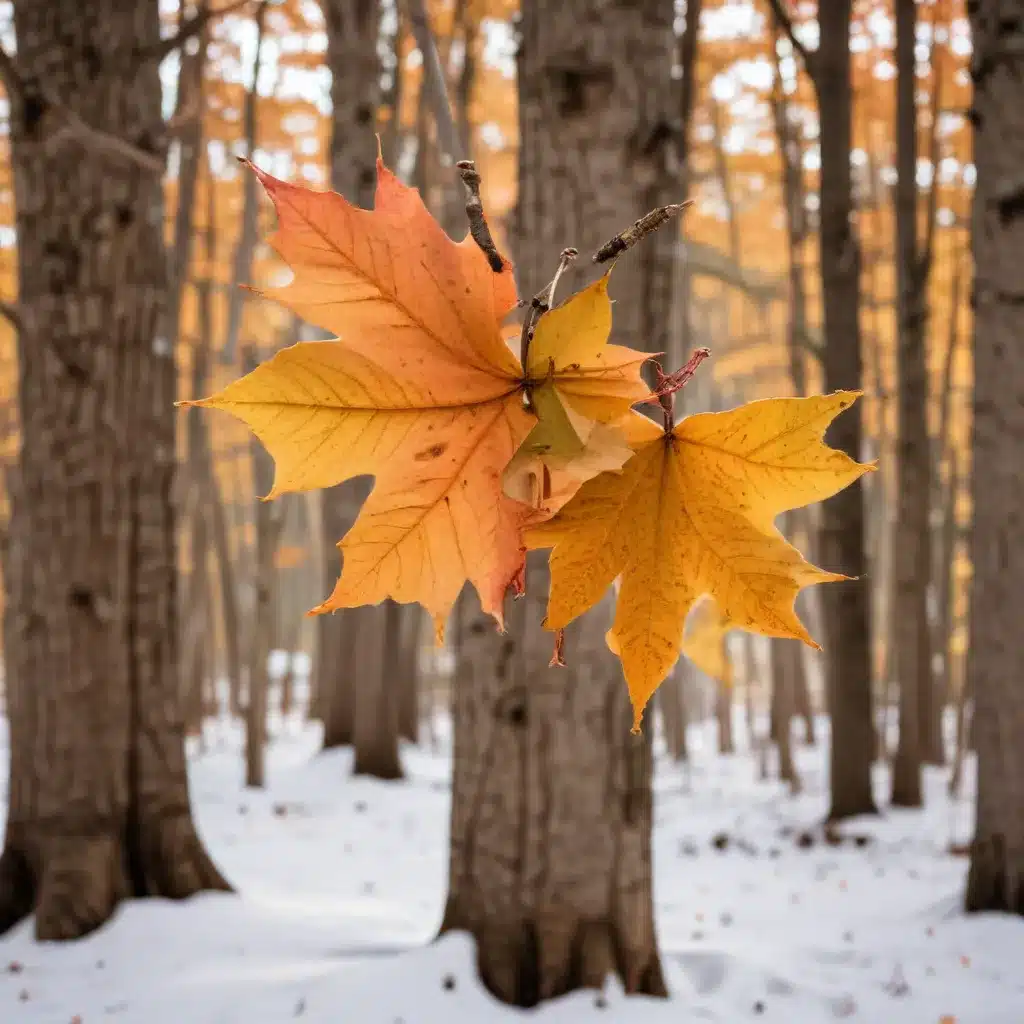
(435, 451)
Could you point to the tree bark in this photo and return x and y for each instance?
(551, 809)
(783, 659)
(550, 867)
(723, 714)
(99, 805)
(376, 665)
(843, 533)
(912, 541)
(995, 655)
(352, 35)
(269, 517)
(405, 635)
(673, 713)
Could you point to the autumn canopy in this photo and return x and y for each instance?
(476, 458)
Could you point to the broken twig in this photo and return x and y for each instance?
(648, 223)
(475, 212)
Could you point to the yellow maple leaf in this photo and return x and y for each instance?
(419, 389)
(586, 387)
(693, 513)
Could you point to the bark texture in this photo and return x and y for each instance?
(360, 666)
(551, 809)
(995, 657)
(99, 806)
(843, 536)
(551, 804)
(912, 541)
(353, 27)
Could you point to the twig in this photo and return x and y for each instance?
(640, 229)
(475, 212)
(565, 258)
(667, 384)
(785, 21)
(539, 305)
(189, 28)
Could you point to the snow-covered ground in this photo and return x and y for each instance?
(341, 885)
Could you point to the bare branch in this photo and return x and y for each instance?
(447, 134)
(189, 28)
(66, 124)
(704, 260)
(784, 20)
(9, 311)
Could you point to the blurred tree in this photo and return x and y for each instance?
(359, 670)
(843, 530)
(99, 806)
(995, 655)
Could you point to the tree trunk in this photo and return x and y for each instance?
(723, 714)
(912, 542)
(551, 809)
(945, 494)
(843, 536)
(995, 654)
(354, 63)
(783, 659)
(407, 641)
(673, 713)
(269, 517)
(376, 666)
(99, 805)
(550, 867)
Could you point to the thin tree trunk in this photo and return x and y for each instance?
(912, 542)
(98, 797)
(197, 598)
(680, 336)
(962, 740)
(405, 636)
(352, 58)
(269, 517)
(790, 144)
(550, 870)
(783, 654)
(211, 498)
(945, 493)
(847, 605)
(723, 714)
(749, 682)
(673, 713)
(377, 665)
(995, 654)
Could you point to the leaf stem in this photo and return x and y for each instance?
(539, 305)
(667, 384)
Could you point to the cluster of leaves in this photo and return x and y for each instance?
(485, 441)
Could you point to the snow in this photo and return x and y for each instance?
(341, 885)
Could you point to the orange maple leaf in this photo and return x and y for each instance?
(418, 389)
